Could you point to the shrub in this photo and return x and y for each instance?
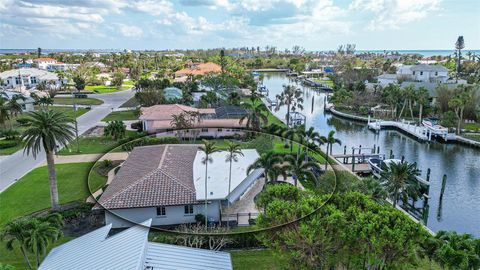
(137, 125)
(81, 96)
(150, 141)
(22, 121)
(107, 163)
(200, 219)
(11, 134)
(8, 144)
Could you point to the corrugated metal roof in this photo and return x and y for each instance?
(163, 256)
(124, 250)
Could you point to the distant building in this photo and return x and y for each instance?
(416, 73)
(159, 118)
(130, 249)
(60, 66)
(27, 103)
(43, 62)
(198, 69)
(28, 78)
(166, 183)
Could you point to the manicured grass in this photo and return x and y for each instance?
(15, 257)
(128, 82)
(256, 259)
(11, 150)
(132, 102)
(102, 89)
(69, 111)
(31, 193)
(121, 116)
(93, 145)
(472, 126)
(326, 82)
(78, 101)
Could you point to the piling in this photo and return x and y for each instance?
(353, 159)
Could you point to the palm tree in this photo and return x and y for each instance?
(330, 140)
(373, 188)
(311, 138)
(16, 232)
(15, 107)
(208, 149)
(301, 168)
(291, 97)
(234, 98)
(116, 129)
(41, 234)
(234, 150)
(255, 117)
(399, 179)
(270, 162)
(4, 111)
(422, 97)
(180, 122)
(459, 45)
(45, 101)
(48, 128)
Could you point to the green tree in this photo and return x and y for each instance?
(255, 116)
(291, 97)
(4, 111)
(234, 150)
(399, 179)
(79, 82)
(15, 106)
(459, 45)
(117, 79)
(457, 251)
(422, 98)
(16, 233)
(116, 129)
(207, 149)
(48, 128)
(271, 164)
(234, 98)
(40, 235)
(302, 169)
(330, 140)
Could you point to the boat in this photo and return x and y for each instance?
(255, 74)
(376, 164)
(433, 123)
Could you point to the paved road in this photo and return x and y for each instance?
(17, 165)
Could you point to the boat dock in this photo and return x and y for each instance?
(422, 133)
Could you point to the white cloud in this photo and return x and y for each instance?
(153, 7)
(392, 14)
(129, 30)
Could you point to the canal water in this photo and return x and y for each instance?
(460, 208)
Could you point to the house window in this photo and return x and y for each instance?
(18, 80)
(436, 73)
(414, 73)
(421, 73)
(188, 209)
(33, 80)
(219, 130)
(161, 211)
(204, 129)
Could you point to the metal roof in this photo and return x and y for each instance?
(163, 256)
(130, 249)
(230, 112)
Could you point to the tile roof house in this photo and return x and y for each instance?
(199, 69)
(214, 122)
(166, 183)
(130, 249)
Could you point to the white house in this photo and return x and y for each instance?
(59, 66)
(27, 102)
(416, 73)
(166, 183)
(26, 78)
(43, 62)
(130, 250)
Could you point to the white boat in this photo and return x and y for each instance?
(433, 123)
(376, 164)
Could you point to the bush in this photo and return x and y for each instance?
(8, 144)
(22, 121)
(107, 163)
(262, 144)
(81, 96)
(11, 134)
(150, 141)
(137, 125)
(200, 219)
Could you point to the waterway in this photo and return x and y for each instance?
(460, 208)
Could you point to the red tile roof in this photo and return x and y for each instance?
(165, 111)
(200, 69)
(44, 59)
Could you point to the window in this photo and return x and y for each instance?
(414, 73)
(204, 129)
(219, 130)
(188, 209)
(161, 211)
(421, 73)
(18, 80)
(33, 80)
(436, 73)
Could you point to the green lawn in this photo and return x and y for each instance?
(326, 82)
(93, 145)
(11, 150)
(255, 259)
(472, 126)
(102, 89)
(132, 102)
(78, 101)
(69, 111)
(15, 257)
(121, 116)
(31, 193)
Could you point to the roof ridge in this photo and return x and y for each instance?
(176, 180)
(163, 156)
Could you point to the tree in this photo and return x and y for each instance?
(16, 232)
(4, 111)
(271, 164)
(48, 128)
(207, 149)
(234, 151)
(234, 98)
(458, 105)
(15, 106)
(459, 45)
(79, 82)
(181, 122)
(457, 251)
(302, 169)
(41, 234)
(373, 188)
(116, 129)
(209, 100)
(422, 97)
(255, 116)
(399, 180)
(149, 96)
(290, 97)
(311, 138)
(117, 80)
(391, 95)
(45, 101)
(330, 140)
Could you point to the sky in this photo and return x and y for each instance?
(194, 24)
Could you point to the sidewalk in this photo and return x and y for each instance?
(88, 158)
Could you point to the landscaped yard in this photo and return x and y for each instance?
(132, 102)
(255, 259)
(103, 89)
(93, 145)
(472, 126)
(472, 137)
(69, 111)
(121, 116)
(31, 193)
(78, 101)
(10, 150)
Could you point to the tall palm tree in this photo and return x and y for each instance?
(41, 234)
(330, 140)
(422, 98)
(459, 45)
(16, 232)
(311, 138)
(208, 149)
(292, 97)
(4, 111)
(15, 106)
(234, 150)
(399, 179)
(116, 129)
(48, 128)
(270, 162)
(255, 117)
(301, 168)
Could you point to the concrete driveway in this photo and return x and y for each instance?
(14, 166)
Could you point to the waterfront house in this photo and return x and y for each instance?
(60, 66)
(28, 78)
(195, 69)
(416, 73)
(213, 123)
(166, 183)
(130, 249)
(43, 62)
